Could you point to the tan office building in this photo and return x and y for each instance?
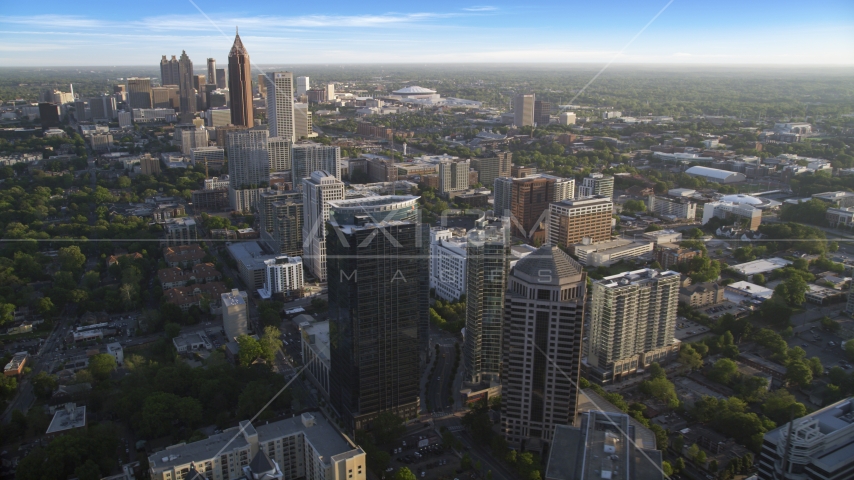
(571, 221)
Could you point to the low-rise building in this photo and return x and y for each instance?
(817, 446)
(741, 291)
(67, 418)
(16, 365)
(668, 255)
(661, 236)
(181, 255)
(605, 254)
(820, 295)
(702, 294)
(175, 277)
(306, 446)
(731, 211)
(838, 199)
(186, 297)
(840, 217)
(763, 266)
(603, 446)
(191, 342)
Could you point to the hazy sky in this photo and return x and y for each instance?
(751, 32)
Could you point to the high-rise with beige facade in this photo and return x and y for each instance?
(527, 200)
(571, 221)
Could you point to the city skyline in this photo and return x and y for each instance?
(642, 32)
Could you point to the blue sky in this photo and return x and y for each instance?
(744, 32)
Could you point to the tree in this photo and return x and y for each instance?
(71, 258)
(271, 342)
(101, 365)
(660, 436)
(692, 452)
(43, 385)
(849, 350)
(798, 373)
(815, 366)
(723, 371)
(713, 465)
(88, 470)
(830, 325)
(45, 306)
(404, 473)
(701, 457)
(679, 465)
(781, 406)
(662, 389)
(248, 350)
(387, 427)
(665, 466)
(632, 206)
(759, 279)
(655, 371)
(172, 330)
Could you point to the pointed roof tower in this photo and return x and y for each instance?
(237, 48)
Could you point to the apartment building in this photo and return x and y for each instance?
(702, 294)
(488, 169)
(633, 320)
(672, 208)
(447, 264)
(527, 201)
(307, 446)
(597, 184)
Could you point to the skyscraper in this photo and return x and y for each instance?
(248, 167)
(280, 104)
(139, 92)
(221, 78)
(185, 87)
(240, 85)
(542, 112)
(310, 157)
(211, 78)
(167, 96)
(527, 199)
(523, 110)
(103, 107)
(633, 319)
(377, 274)
(169, 71)
(302, 122)
(318, 190)
(487, 265)
(542, 345)
(302, 86)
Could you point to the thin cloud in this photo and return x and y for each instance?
(53, 21)
(484, 8)
(191, 22)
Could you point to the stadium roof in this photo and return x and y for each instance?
(709, 172)
(414, 90)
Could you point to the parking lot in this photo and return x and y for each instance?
(817, 343)
(686, 329)
(429, 461)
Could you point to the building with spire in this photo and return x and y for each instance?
(185, 87)
(240, 84)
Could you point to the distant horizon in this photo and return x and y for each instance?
(200, 65)
(671, 32)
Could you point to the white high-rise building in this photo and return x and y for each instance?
(447, 264)
(283, 275)
(597, 184)
(279, 149)
(330, 92)
(633, 320)
(310, 157)
(248, 167)
(280, 104)
(303, 85)
(193, 138)
(317, 191)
